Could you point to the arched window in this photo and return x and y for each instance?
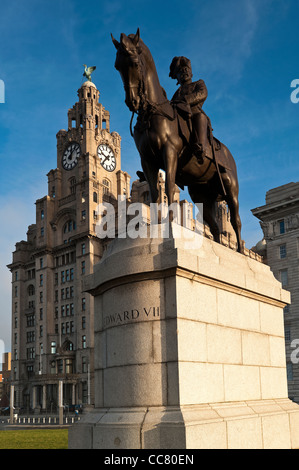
(106, 186)
(31, 290)
(69, 226)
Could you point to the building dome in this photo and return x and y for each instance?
(260, 247)
(88, 83)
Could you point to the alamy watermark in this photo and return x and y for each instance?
(2, 91)
(295, 93)
(137, 220)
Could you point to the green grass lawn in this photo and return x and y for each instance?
(34, 439)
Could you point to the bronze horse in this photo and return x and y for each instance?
(162, 139)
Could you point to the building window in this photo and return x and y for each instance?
(287, 333)
(83, 304)
(84, 342)
(106, 186)
(31, 290)
(69, 366)
(284, 277)
(84, 364)
(71, 274)
(42, 231)
(16, 276)
(41, 297)
(41, 331)
(30, 336)
(83, 267)
(83, 249)
(16, 291)
(83, 214)
(30, 320)
(72, 310)
(286, 309)
(41, 262)
(42, 214)
(60, 366)
(41, 314)
(69, 226)
(73, 185)
(41, 280)
(62, 277)
(30, 353)
(83, 323)
(289, 371)
(53, 347)
(283, 251)
(95, 197)
(281, 226)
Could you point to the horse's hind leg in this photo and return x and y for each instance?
(209, 211)
(233, 205)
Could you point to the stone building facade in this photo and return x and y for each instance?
(279, 220)
(52, 318)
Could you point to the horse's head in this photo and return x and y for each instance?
(129, 66)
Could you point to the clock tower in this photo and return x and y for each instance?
(88, 152)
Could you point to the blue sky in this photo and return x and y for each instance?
(245, 50)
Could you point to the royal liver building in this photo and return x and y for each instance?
(52, 318)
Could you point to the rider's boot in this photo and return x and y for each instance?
(199, 152)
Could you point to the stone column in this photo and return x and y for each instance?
(33, 397)
(73, 394)
(11, 403)
(60, 401)
(44, 397)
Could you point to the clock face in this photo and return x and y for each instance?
(107, 157)
(70, 156)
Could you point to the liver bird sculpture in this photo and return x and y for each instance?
(88, 71)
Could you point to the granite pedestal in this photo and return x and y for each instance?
(189, 351)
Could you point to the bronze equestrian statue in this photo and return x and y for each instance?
(176, 135)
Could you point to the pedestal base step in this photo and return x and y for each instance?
(261, 424)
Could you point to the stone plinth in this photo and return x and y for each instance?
(189, 351)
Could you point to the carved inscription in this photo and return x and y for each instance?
(132, 315)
